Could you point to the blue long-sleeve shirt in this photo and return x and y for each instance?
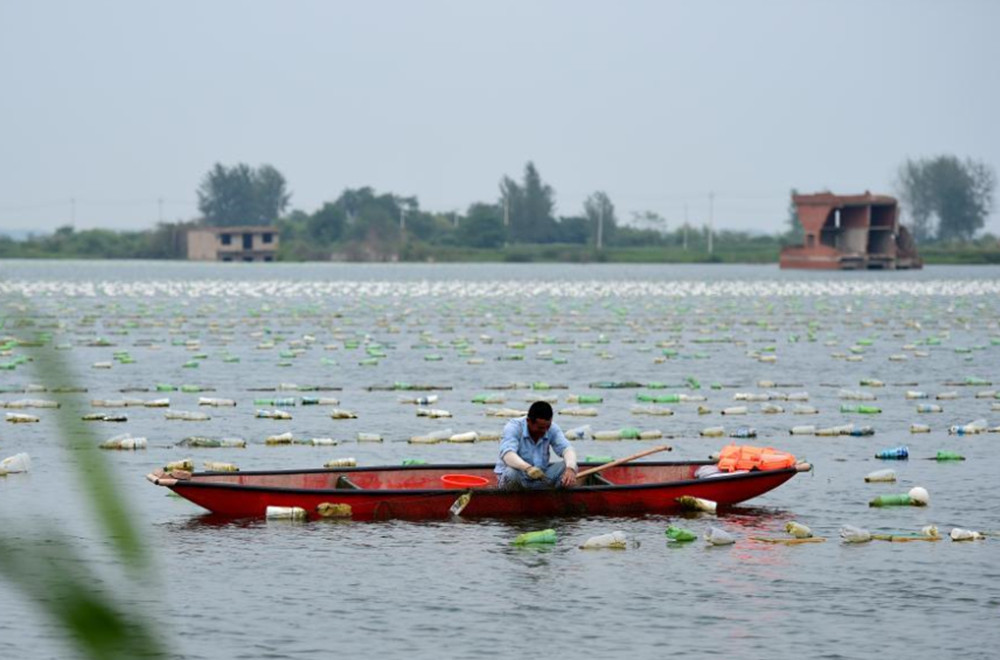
(517, 439)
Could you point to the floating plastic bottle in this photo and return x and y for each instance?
(901, 452)
(852, 534)
(651, 410)
(124, 441)
(272, 414)
(584, 398)
(958, 534)
(285, 513)
(803, 430)
(735, 410)
(369, 437)
(697, 503)
(20, 462)
(912, 394)
(322, 442)
(949, 456)
(21, 418)
(219, 466)
(861, 409)
(679, 534)
(744, 432)
(713, 432)
(929, 408)
(616, 540)
(184, 464)
(716, 536)
(532, 538)
(916, 496)
(798, 530)
(341, 462)
(285, 438)
(972, 428)
(920, 428)
(861, 431)
(577, 411)
(881, 476)
(584, 432)
(414, 461)
(216, 403)
(186, 415)
(466, 436)
(433, 413)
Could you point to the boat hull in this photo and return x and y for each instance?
(403, 493)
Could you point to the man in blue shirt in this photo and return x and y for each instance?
(524, 453)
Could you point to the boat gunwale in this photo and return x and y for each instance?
(352, 493)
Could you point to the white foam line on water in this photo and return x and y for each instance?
(284, 289)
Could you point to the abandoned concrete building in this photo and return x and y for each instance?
(849, 232)
(244, 243)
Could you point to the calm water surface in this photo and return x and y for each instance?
(256, 589)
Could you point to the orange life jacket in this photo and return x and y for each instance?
(748, 457)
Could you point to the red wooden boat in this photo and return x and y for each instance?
(418, 492)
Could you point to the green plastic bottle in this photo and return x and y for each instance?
(949, 456)
(900, 499)
(531, 538)
(679, 534)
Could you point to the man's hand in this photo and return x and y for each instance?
(568, 478)
(535, 473)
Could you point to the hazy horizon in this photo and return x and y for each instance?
(123, 107)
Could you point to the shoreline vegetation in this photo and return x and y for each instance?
(728, 248)
(521, 226)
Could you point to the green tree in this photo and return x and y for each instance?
(241, 195)
(327, 224)
(482, 227)
(529, 207)
(795, 235)
(957, 194)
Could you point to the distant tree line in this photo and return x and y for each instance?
(947, 199)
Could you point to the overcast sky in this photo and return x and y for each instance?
(118, 105)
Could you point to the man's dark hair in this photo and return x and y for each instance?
(540, 410)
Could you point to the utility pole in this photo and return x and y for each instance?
(159, 204)
(711, 207)
(600, 226)
(685, 227)
(506, 220)
(402, 218)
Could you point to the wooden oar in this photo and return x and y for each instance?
(646, 452)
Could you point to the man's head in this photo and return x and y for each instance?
(539, 419)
